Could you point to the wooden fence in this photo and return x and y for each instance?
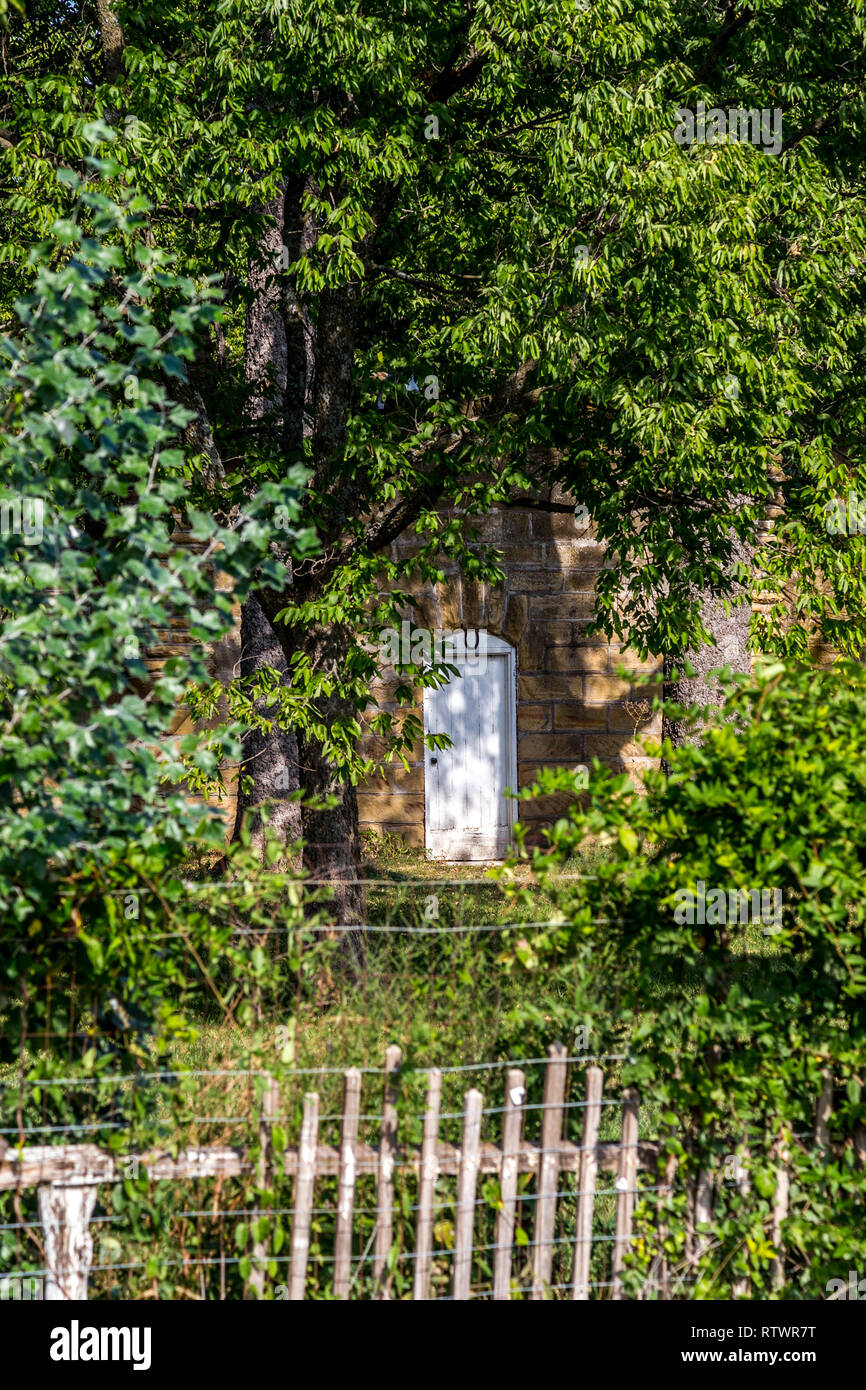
(68, 1177)
(67, 1180)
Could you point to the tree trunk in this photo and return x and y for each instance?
(265, 342)
(731, 633)
(294, 399)
(269, 767)
(112, 38)
(270, 758)
(331, 837)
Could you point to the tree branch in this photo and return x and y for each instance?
(733, 24)
(820, 123)
(511, 397)
(456, 77)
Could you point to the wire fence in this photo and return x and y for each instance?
(323, 1112)
(488, 1200)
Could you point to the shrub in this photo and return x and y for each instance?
(734, 1017)
(92, 816)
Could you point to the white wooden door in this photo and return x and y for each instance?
(467, 814)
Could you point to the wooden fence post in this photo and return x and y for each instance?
(698, 1213)
(741, 1286)
(304, 1187)
(265, 1178)
(466, 1184)
(626, 1184)
(68, 1177)
(548, 1169)
(659, 1270)
(586, 1184)
(780, 1210)
(823, 1111)
(65, 1210)
(385, 1181)
(346, 1188)
(515, 1094)
(703, 1213)
(427, 1187)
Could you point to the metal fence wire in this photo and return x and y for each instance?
(355, 1125)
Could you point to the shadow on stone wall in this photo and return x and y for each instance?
(571, 707)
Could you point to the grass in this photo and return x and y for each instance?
(440, 991)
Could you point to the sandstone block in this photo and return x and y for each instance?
(574, 714)
(495, 598)
(516, 525)
(550, 687)
(547, 748)
(632, 662)
(534, 581)
(572, 607)
(516, 617)
(533, 718)
(612, 748)
(565, 659)
(473, 603)
(605, 689)
(448, 603)
(404, 808)
(530, 652)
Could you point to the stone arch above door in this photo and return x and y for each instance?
(572, 705)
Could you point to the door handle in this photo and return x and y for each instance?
(433, 762)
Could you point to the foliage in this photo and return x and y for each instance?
(92, 576)
(733, 1022)
(672, 331)
(264, 992)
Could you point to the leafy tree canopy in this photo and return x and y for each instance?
(653, 324)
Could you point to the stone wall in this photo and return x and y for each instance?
(571, 704)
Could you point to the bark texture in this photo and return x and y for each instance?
(112, 39)
(269, 768)
(270, 759)
(301, 378)
(333, 844)
(731, 633)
